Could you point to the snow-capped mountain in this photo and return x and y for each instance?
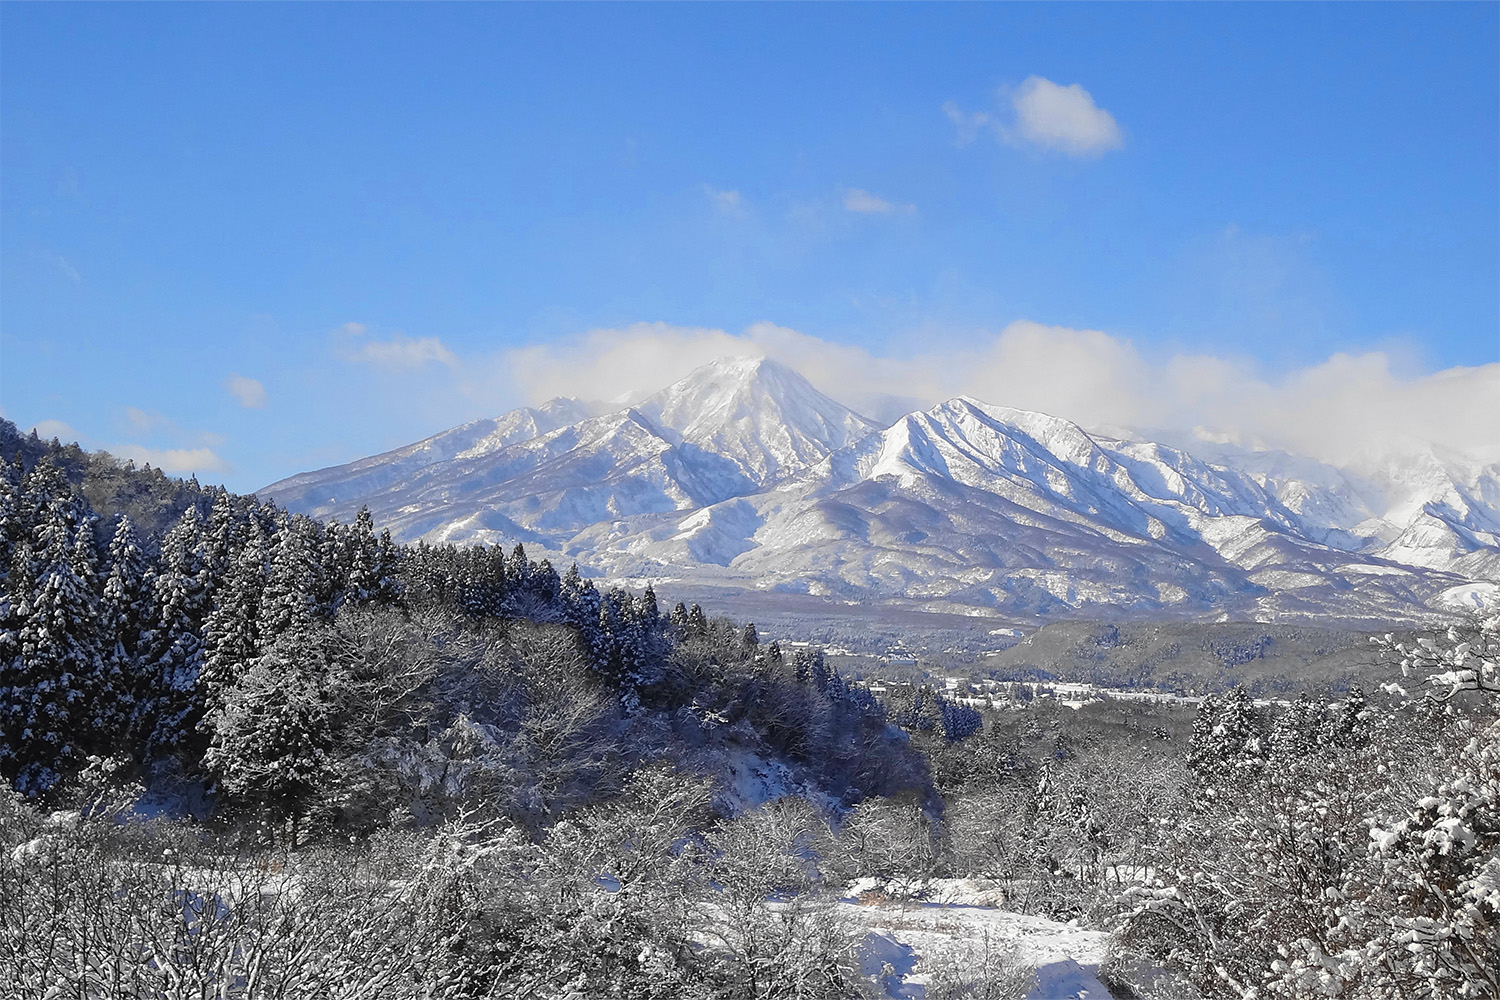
(727, 430)
(328, 491)
(744, 475)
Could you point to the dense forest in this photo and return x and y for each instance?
(252, 754)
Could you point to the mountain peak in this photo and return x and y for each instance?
(739, 369)
(759, 413)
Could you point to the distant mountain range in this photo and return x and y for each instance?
(744, 475)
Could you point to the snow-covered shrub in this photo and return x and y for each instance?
(772, 927)
(986, 970)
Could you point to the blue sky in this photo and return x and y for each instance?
(253, 239)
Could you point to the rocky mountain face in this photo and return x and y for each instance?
(744, 475)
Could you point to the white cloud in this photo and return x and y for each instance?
(399, 352)
(856, 200)
(178, 461)
(1335, 410)
(250, 393)
(1063, 118)
(1043, 114)
(728, 202)
(968, 123)
(141, 422)
(49, 429)
(195, 453)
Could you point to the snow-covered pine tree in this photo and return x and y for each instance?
(546, 584)
(223, 532)
(58, 692)
(583, 607)
(361, 581)
(271, 730)
(389, 561)
(173, 650)
(679, 619)
(517, 567)
(290, 599)
(614, 628)
(13, 529)
(125, 611)
(1228, 744)
(333, 558)
(15, 694)
(126, 614)
(1352, 721)
(230, 633)
(1297, 730)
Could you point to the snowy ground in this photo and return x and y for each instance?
(958, 924)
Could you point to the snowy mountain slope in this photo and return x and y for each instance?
(327, 491)
(743, 474)
(968, 505)
(725, 431)
(760, 415)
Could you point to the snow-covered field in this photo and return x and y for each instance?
(957, 924)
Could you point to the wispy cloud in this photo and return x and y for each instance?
(968, 123)
(250, 393)
(63, 266)
(861, 201)
(179, 461)
(49, 429)
(397, 353)
(145, 422)
(1045, 115)
(198, 456)
(727, 202)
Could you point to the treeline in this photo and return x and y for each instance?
(296, 671)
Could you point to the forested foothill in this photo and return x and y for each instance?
(249, 754)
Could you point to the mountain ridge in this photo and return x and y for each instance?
(743, 474)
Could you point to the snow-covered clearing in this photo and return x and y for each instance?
(957, 924)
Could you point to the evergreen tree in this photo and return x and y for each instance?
(271, 732)
(1298, 730)
(57, 698)
(362, 580)
(583, 610)
(1352, 723)
(1228, 745)
(290, 600)
(15, 684)
(546, 584)
(230, 632)
(222, 534)
(518, 567)
(174, 648)
(126, 612)
(13, 528)
(389, 561)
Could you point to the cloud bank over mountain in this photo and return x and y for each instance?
(1341, 410)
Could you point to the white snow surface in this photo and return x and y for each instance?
(956, 922)
(744, 475)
